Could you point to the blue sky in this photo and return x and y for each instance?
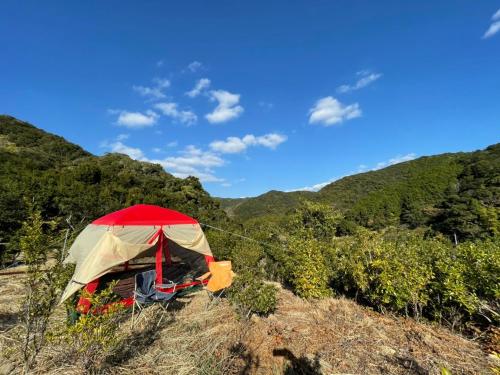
(256, 95)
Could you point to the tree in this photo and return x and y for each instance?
(307, 270)
(44, 283)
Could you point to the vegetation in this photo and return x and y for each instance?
(251, 295)
(93, 337)
(418, 239)
(421, 238)
(65, 180)
(270, 203)
(415, 272)
(44, 284)
(455, 194)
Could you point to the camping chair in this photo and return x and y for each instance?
(221, 277)
(147, 292)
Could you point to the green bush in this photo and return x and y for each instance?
(250, 294)
(94, 336)
(403, 271)
(45, 279)
(319, 220)
(307, 271)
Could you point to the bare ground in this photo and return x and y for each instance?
(332, 336)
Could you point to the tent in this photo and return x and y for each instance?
(132, 240)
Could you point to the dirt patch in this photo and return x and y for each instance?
(339, 336)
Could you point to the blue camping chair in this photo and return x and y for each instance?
(146, 292)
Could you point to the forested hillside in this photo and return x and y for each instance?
(270, 203)
(457, 194)
(63, 180)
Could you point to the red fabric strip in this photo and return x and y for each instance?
(83, 305)
(159, 256)
(156, 235)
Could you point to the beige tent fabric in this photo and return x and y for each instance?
(85, 241)
(99, 248)
(189, 236)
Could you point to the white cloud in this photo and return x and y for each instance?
(160, 63)
(195, 66)
(134, 153)
(227, 108)
(492, 30)
(496, 16)
(162, 83)
(361, 169)
(137, 120)
(151, 92)
(329, 111)
(156, 149)
(232, 145)
(365, 79)
(172, 144)
(494, 27)
(271, 140)
(154, 92)
(395, 160)
(193, 162)
(266, 106)
(226, 184)
(171, 110)
(200, 87)
(122, 137)
(235, 145)
(315, 187)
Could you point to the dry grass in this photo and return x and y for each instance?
(339, 336)
(331, 336)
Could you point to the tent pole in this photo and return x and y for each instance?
(209, 259)
(159, 256)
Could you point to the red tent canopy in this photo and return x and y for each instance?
(148, 216)
(145, 214)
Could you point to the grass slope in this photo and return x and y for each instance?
(331, 336)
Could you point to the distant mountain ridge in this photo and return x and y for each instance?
(412, 192)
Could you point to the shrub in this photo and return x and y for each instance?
(94, 336)
(250, 294)
(403, 271)
(44, 283)
(307, 271)
(467, 282)
(320, 220)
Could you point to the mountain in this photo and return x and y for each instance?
(271, 203)
(426, 191)
(63, 180)
(455, 193)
